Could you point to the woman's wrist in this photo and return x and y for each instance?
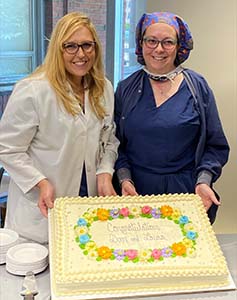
(126, 180)
(204, 177)
(123, 174)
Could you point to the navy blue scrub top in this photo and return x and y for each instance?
(83, 192)
(161, 142)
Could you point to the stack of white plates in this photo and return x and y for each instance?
(26, 257)
(8, 239)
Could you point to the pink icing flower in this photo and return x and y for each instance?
(146, 209)
(124, 212)
(131, 254)
(156, 253)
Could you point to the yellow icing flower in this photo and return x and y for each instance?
(102, 214)
(79, 230)
(144, 254)
(179, 248)
(90, 246)
(88, 217)
(191, 252)
(187, 243)
(104, 252)
(176, 214)
(189, 227)
(166, 210)
(92, 254)
(92, 212)
(135, 211)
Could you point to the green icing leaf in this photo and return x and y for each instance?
(151, 259)
(161, 258)
(126, 259)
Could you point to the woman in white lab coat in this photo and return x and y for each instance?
(57, 133)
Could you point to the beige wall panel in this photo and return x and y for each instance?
(213, 24)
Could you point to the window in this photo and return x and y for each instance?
(21, 40)
(126, 15)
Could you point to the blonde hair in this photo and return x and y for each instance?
(54, 69)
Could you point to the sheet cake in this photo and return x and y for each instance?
(131, 245)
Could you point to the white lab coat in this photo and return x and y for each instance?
(39, 139)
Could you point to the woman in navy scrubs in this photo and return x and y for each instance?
(171, 136)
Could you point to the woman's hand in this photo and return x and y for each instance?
(128, 188)
(104, 185)
(46, 197)
(207, 195)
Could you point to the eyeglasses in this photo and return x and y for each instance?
(73, 48)
(166, 44)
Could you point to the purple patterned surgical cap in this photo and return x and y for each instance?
(184, 35)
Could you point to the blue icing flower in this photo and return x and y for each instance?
(183, 220)
(81, 222)
(84, 238)
(191, 235)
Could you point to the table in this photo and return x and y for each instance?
(10, 285)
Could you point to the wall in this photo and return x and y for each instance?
(213, 24)
(95, 9)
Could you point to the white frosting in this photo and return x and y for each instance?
(76, 273)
